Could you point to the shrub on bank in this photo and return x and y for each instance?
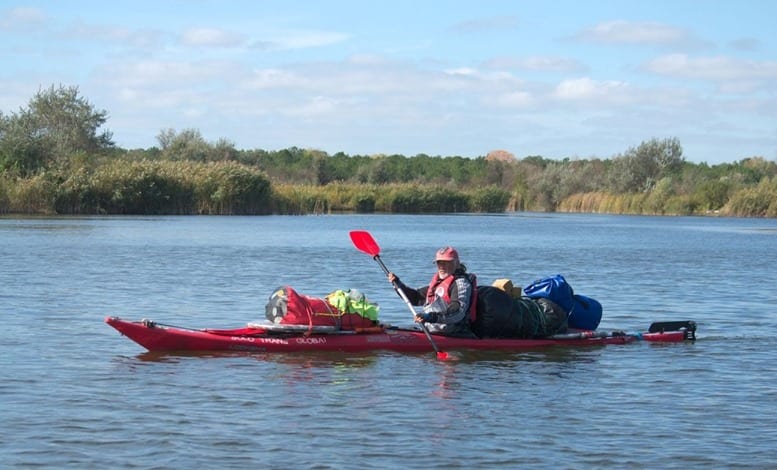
(489, 199)
(33, 195)
(759, 201)
(424, 199)
(294, 199)
(141, 187)
(229, 188)
(393, 198)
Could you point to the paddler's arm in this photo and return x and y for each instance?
(413, 295)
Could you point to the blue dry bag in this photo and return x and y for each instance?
(554, 288)
(584, 312)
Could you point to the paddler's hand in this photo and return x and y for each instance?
(426, 317)
(393, 278)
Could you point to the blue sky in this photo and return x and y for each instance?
(560, 79)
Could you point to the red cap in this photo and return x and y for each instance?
(447, 253)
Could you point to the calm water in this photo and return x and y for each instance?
(74, 393)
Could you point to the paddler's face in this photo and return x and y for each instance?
(445, 268)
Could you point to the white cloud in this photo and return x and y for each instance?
(99, 34)
(167, 75)
(462, 72)
(712, 68)
(272, 78)
(210, 37)
(21, 18)
(630, 32)
(292, 40)
(592, 91)
(314, 106)
(537, 64)
(515, 99)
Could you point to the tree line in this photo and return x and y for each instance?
(54, 159)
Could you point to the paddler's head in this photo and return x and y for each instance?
(447, 260)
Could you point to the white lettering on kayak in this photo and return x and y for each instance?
(247, 339)
(378, 339)
(272, 340)
(242, 338)
(310, 340)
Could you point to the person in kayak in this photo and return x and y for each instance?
(449, 299)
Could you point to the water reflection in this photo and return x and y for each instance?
(548, 354)
(335, 358)
(301, 359)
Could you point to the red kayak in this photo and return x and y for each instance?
(299, 338)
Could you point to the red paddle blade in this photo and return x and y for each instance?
(363, 241)
(452, 356)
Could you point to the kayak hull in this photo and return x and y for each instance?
(166, 338)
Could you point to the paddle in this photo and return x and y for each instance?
(364, 242)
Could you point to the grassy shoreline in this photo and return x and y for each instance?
(230, 188)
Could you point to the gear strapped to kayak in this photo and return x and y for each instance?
(500, 315)
(346, 310)
(547, 307)
(583, 313)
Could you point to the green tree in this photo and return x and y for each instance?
(185, 145)
(224, 150)
(640, 168)
(57, 124)
(190, 145)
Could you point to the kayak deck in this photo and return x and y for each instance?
(157, 337)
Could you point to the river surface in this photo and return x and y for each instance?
(76, 394)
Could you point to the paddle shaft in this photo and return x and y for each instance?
(408, 303)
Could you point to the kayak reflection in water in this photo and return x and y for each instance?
(448, 300)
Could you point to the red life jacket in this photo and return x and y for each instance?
(441, 288)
